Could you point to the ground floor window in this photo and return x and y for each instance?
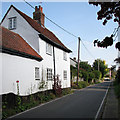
(37, 73)
(49, 74)
(65, 74)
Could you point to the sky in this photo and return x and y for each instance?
(80, 19)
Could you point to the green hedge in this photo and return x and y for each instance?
(81, 84)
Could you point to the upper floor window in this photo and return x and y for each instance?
(48, 49)
(64, 56)
(37, 73)
(12, 23)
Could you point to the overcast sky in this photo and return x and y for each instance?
(80, 19)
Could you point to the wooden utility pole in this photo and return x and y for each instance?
(78, 59)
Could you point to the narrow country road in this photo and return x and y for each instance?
(82, 103)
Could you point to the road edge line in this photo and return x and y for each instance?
(96, 116)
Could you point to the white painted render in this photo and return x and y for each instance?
(18, 68)
(23, 69)
(23, 28)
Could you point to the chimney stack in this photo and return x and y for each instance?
(39, 15)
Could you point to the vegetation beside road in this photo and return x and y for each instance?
(117, 89)
(21, 103)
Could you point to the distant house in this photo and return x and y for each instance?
(46, 55)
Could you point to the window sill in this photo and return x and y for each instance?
(37, 79)
(49, 54)
(12, 28)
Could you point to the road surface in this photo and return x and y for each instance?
(84, 103)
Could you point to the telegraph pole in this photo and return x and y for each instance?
(78, 59)
(98, 65)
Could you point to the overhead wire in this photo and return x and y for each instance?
(62, 29)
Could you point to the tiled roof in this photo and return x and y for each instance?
(43, 31)
(13, 43)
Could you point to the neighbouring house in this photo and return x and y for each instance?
(45, 55)
(73, 70)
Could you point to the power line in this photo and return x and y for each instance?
(87, 49)
(62, 28)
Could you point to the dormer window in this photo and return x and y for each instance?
(48, 49)
(64, 56)
(12, 23)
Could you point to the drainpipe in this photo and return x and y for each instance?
(54, 62)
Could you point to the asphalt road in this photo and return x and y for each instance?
(82, 103)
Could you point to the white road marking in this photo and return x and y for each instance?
(102, 102)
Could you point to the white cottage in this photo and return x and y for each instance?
(53, 53)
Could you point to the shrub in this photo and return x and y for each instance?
(66, 91)
(117, 90)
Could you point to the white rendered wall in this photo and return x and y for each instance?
(60, 64)
(21, 65)
(18, 68)
(23, 28)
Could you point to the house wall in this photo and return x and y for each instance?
(18, 68)
(23, 29)
(60, 64)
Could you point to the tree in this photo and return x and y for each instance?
(97, 74)
(101, 66)
(91, 76)
(109, 10)
(85, 66)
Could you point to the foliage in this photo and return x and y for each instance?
(117, 83)
(103, 68)
(85, 75)
(85, 66)
(91, 77)
(81, 84)
(57, 86)
(97, 74)
(117, 78)
(109, 10)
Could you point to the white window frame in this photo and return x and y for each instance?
(12, 23)
(49, 74)
(48, 49)
(65, 74)
(37, 73)
(64, 56)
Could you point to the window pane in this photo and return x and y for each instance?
(37, 75)
(48, 49)
(49, 74)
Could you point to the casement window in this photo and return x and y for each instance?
(48, 49)
(65, 74)
(37, 73)
(64, 56)
(49, 74)
(12, 23)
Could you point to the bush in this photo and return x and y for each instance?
(81, 84)
(66, 91)
(52, 96)
(117, 90)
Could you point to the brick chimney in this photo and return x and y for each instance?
(39, 15)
